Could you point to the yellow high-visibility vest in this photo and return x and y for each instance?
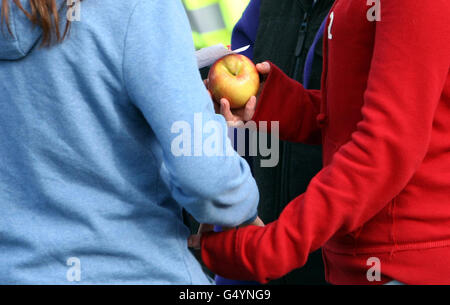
(212, 21)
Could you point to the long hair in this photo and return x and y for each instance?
(44, 14)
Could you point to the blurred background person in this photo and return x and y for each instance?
(212, 21)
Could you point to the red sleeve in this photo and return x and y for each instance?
(295, 108)
(408, 73)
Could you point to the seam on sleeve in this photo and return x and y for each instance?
(125, 47)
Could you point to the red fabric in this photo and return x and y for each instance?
(384, 190)
(288, 101)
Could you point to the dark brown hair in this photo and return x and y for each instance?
(45, 14)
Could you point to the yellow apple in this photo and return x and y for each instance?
(235, 78)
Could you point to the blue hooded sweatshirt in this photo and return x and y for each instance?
(93, 177)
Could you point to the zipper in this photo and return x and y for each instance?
(299, 48)
(286, 151)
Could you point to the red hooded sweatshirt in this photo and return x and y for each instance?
(382, 200)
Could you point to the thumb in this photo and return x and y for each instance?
(263, 68)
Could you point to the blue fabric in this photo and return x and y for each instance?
(86, 162)
(310, 57)
(394, 283)
(223, 281)
(246, 29)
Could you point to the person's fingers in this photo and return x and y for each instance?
(250, 109)
(263, 68)
(194, 241)
(225, 110)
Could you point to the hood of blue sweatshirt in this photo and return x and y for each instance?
(24, 36)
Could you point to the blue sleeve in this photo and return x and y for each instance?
(245, 31)
(204, 174)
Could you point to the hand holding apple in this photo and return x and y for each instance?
(234, 117)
